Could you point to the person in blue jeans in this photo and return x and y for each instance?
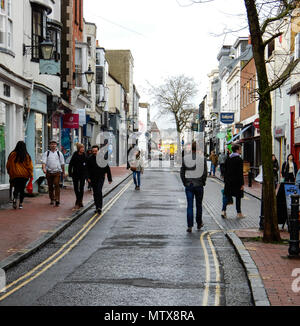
(137, 167)
(193, 174)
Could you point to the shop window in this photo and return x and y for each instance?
(39, 124)
(2, 143)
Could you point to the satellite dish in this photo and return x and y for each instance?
(259, 178)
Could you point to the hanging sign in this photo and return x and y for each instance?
(227, 118)
(71, 121)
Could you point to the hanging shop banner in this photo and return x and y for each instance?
(82, 117)
(227, 118)
(71, 121)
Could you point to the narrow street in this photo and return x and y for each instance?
(139, 253)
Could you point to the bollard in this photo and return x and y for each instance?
(294, 228)
(250, 176)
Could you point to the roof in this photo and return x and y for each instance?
(295, 89)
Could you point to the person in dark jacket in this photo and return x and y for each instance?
(234, 179)
(193, 174)
(289, 169)
(96, 175)
(275, 169)
(78, 172)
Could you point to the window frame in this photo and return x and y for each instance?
(7, 25)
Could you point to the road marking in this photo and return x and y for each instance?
(84, 230)
(217, 268)
(207, 266)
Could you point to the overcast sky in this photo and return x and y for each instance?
(166, 37)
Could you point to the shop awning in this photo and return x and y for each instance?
(68, 105)
(239, 134)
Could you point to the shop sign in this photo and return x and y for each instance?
(256, 124)
(71, 121)
(227, 118)
(279, 131)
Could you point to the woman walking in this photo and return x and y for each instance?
(20, 169)
(137, 167)
(78, 172)
(289, 169)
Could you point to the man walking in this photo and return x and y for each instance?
(214, 162)
(193, 174)
(96, 176)
(234, 180)
(53, 164)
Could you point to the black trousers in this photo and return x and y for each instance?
(78, 183)
(19, 188)
(97, 186)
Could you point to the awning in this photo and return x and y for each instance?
(239, 134)
(68, 105)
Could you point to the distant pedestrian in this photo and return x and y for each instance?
(137, 167)
(193, 174)
(222, 161)
(89, 153)
(20, 169)
(53, 164)
(234, 180)
(78, 172)
(96, 175)
(289, 169)
(214, 162)
(275, 169)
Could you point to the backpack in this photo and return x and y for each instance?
(48, 152)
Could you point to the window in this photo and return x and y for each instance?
(271, 48)
(3, 124)
(6, 24)
(39, 124)
(38, 25)
(55, 37)
(297, 46)
(78, 67)
(99, 75)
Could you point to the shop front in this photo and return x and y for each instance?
(14, 94)
(36, 131)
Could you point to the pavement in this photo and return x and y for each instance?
(22, 232)
(278, 274)
(272, 276)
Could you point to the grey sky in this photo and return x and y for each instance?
(165, 38)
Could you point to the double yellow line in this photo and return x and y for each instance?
(208, 270)
(64, 250)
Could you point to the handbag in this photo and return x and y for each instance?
(133, 168)
(29, 187)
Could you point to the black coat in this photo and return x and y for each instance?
(234, 177)
(95, 172)
(285, 169)
(78, 166)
